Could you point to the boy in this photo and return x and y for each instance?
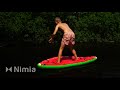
(68, 37)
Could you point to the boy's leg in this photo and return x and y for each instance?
(73, 51)
(60, 52)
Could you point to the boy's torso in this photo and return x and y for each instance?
(65, 27)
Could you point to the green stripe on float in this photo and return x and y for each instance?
(65, 66)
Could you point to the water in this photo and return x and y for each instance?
(106, 66)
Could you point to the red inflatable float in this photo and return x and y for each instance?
(66, 61)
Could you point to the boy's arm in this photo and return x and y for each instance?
(56, 29)
(53, 35)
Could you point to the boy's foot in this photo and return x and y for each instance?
(58, 61)
(76, 58)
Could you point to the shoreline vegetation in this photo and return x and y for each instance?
(47, 45)
(36, 27)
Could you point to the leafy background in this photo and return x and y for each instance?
(38, 26)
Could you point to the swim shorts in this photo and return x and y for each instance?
(68, 38)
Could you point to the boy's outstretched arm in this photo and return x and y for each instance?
(56, 29)
(53, 35)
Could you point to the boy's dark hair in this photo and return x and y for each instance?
(57, 19)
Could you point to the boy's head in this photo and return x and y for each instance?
(57, 20)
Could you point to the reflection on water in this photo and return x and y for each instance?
(107, 64)
(78, 71)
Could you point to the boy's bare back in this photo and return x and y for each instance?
(64, 27)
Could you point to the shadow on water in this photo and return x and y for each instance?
(72, 72)
(26, 54)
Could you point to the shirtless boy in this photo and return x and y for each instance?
(68, 38)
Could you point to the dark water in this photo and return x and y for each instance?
(27, 55)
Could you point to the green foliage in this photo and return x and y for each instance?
(37, 30)
(38, 26)
(14, 23)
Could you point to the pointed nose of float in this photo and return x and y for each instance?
(96, 57)
(39, 64)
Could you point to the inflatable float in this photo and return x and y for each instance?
(66, 61)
